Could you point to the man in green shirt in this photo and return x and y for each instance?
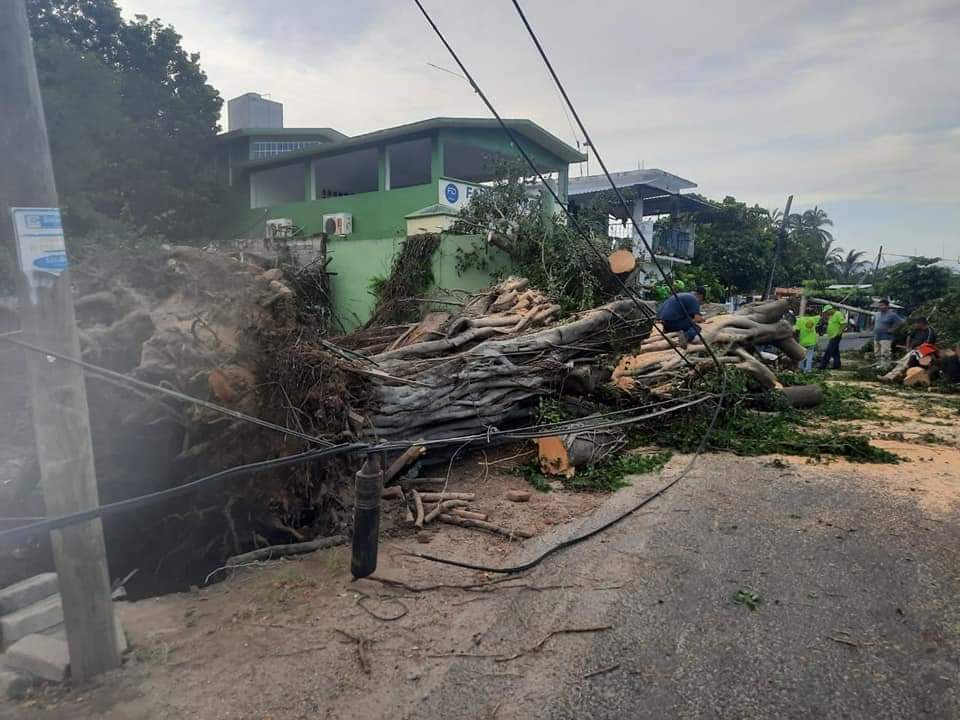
(806, 330)
(835, 324)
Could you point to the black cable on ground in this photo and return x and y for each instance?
(58, 523)
(515, 569)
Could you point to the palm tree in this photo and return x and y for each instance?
(815, 222)
(852, 266)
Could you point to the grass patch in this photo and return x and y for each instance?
(743, 430)
(606, 476)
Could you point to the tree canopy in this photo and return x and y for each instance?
(917, 281)
(130, 117)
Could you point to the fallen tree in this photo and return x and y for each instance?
(662, 365)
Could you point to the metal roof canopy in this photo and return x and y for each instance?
(526, 129)
(329, 133)
(659, 190)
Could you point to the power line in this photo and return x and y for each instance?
(134, 382)
(589, 141)
(563, 206)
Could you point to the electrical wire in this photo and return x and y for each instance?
(101, 511)
(719, 406)
(523, 567)
(134, 382)
(571, 218)
(589, 141)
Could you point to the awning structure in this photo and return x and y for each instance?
(651, 192)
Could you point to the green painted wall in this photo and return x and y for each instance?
(375, 214)
(498, 142)
(357, 262)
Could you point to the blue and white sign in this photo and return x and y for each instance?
(41, 250)
(457, 194)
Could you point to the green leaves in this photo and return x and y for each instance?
(130, 117)
(747, 597)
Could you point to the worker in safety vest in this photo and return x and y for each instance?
(806, 329)
(836, 323)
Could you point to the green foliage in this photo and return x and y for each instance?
(543, 249)
(130, 118)
(694, 276)
(743, 430)
(606, 476)
(411, 276)
(747, 597)
(550, 411)
(944, 316)
(917, 281)
(734, 245)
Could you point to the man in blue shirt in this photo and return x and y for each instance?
(886, 323)
(681, 313)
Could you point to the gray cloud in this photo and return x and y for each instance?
(831, 101)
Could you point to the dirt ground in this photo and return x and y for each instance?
(854, 568)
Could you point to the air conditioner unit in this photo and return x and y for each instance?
(338, 224)
(279, 228)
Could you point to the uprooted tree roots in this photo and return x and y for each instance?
(215, 327)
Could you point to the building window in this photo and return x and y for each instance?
(270, 148)
(409, 163)
(346, 174)
(277, 186)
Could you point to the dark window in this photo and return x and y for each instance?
(346, 174)
(409, 163)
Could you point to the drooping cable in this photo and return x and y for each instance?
(101, 511)
(589, 141)
(142, 385)
(571, 218)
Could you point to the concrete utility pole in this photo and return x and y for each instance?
(60, 417)
(778, 247)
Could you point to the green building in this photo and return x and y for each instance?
(366, 193)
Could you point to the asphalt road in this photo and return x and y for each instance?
(858, 613)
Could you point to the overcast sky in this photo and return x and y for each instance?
(851, 106)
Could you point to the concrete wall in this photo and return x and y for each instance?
(357, 262)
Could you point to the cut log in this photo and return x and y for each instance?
(803, 396)
(278, 551)
(438, 497)
(394, 492)
(562, 454)
(407, 457)
(441, 507)
(489, 527)
(622, 262)
(418, 504)
(917, 377)
(469, 515)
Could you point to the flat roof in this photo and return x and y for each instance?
(660, 191)
(524, 128)
(328, 133)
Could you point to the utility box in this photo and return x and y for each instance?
(252, 110)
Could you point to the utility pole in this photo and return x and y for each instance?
(777, 248)
(60, 416)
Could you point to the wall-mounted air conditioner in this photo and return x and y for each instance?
(338, 224)
(279, 228)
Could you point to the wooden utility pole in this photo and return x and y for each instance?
(60, 417)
